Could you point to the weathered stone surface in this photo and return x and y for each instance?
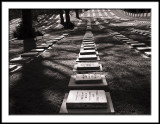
(88, 66)
(89, 45)
(88, 78)
(137, 44)
(37, 50)
(87, 57)
(143, 48)
(29, 54)
(88, 42)
(148, 54)
(42, 46)
(84, 52)
(108, 110)
(88, 48)
(12, 67)
(86, 99)
(20, 59)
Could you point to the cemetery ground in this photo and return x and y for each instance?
(39, 87)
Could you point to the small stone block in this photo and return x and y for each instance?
(86, 99)
(88, 57)
(143, 48)
(20, 59)
(88, 78)
(84, 66)
(132, 42)
(12, 67)
(42, 47)
(137, 44)
(148, 54)
(58, 38)
(37, 50)
(29, 54)
(89, 48)
(88, 45)
(108, 110)
(84, 52)
(88, 42)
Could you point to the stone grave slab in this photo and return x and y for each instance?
(137, 44)
(29, 54)
(109, 109)
(86, 99)
(119, 35)
(85, 52)
(88, 58)
(37, 50)
(132, 42)
(87, 67)
(58, 38)
(52, 41)
(115, 33)
(65, 34)
(87, 81)
(42, 46)
(122, 38)
(143, 48)
(88, 45)
(89, 48)
(88, 38)
(147, 54)
(126, 40)
(88, 42)
(12, 67)
(21, 59)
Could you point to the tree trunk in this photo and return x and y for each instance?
(77, 13)
(28, 32)
(67, 16)
(61, 16)
(68, 24)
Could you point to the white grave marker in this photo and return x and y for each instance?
(88, 99)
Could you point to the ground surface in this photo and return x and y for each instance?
(39, 87)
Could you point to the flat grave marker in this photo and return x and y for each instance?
(137, 44)
(92, 66)
(88, 58)
(12, 67)
(87, 81)
(87, 101)
(29, 54)
(88, 48)
(86, 52)
(37, 50)
(42, 46)
(20, 59)
(132, 42)
(147, 54)
(88, 42)
(88, 45)
(143, 48)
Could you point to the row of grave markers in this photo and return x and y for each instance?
(26, 57)
(139, 47)
(87, 94)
